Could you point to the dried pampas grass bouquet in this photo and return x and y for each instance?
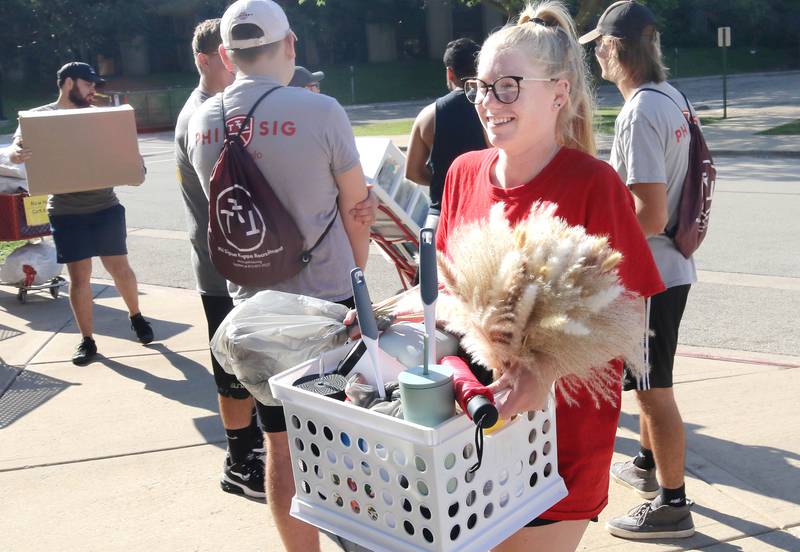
(542, 294)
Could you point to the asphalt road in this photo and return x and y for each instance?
(747, 299)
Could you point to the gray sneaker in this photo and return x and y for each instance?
(643, 482)
(654, 520)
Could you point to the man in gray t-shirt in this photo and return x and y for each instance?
(651, 154)
(87, 224)
(303, 144)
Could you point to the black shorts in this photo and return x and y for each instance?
(271, 418)
(539, 522)
(666, 311)
(100, 234)
(217, 308)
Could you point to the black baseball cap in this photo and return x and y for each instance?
(303, 77)
(626, 19)
(79, 70)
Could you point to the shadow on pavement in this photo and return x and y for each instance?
(197, 389)
(114, 322)
(774, 465)
(8, 333)
(749, 528)
(768, 469)
(28, 391)
(40, 311)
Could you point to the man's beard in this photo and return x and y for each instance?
(78, 100)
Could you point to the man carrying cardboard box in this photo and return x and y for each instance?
(87, 224)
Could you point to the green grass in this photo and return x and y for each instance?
(6, 248)
(18, 98)
(698, 62)
(605, 116)
(388, 128)
(385, 82)
(788, 129)
(604, 120)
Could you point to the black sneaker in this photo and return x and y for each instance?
(85, 353)
(244, 478)
(142, 328)
(259, 448)
(654, 520)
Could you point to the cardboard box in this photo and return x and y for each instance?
(75, 150)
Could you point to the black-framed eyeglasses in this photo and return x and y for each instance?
(505, 89)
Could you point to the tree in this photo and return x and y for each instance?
(45, 33)
(585, 12)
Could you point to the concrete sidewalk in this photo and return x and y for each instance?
(125, 454)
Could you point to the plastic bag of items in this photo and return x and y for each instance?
(273, 331)
(40, 256)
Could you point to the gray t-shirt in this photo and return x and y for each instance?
(209, 281)
(300, 140)
(651, 144)
(76, 203)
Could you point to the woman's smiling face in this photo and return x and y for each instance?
(515, 127)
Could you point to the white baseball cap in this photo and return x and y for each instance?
(264, 14)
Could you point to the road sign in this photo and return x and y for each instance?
(724, 37)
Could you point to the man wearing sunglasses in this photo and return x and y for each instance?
(446, 128)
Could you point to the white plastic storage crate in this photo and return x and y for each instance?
(391, 485)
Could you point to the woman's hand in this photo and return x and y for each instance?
(351, 321)
(526, 390)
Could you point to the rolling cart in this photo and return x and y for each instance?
(14, 226)
(403, 205)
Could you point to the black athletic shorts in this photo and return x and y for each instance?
(271, 417)
(539, 522)
(217, 308)
(99, 234)
(666, 311)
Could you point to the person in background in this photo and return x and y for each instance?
(651, 154)
(446, 128)
(243, 469)
(303, 78)
(532, 96)
(87, 224)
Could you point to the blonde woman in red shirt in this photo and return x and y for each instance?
(533, 100)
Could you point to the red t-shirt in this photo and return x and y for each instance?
(587, 192)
